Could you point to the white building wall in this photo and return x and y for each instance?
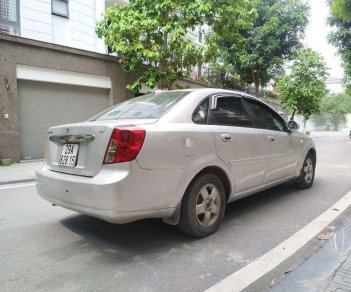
(82, 22)
(348, 121)
(100, 11)
(335, 87)
(77, 31)
(36, 20)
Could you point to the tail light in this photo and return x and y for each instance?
(125, 144)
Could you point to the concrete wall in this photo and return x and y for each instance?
(310, 126)
(14, 50)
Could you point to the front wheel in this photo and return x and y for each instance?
(306, 177)
(203, 206)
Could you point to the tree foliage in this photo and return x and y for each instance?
(147, 32)
(255, 52)
(340, 37)
(341, 8)
(302, 90)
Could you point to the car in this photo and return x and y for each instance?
(179, 155)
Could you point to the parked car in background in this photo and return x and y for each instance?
(178, 155)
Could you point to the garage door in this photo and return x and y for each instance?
(44, 104)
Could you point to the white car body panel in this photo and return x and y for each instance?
(282, 156)
(248, 164)
(175, 150)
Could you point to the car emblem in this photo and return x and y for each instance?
(68, 130)
(102, 131)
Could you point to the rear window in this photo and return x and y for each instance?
(149, 106)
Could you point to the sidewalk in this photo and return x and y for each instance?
(19, 172)
(329, 269)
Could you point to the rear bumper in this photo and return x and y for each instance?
(112, 195)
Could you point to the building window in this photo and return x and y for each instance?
(60, 7)
(9, 17)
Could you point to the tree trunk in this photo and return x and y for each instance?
(293, 115)
(304, 124)
(162, 83)
(256, 81)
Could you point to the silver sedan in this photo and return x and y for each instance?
(178, 155)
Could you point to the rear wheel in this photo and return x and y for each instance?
(306, 177)
(203, 206)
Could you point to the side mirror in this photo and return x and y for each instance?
(292, 125)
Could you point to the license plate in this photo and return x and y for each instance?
(69, 155)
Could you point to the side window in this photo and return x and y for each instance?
(264, 117)
(201, 113)
(230, 111)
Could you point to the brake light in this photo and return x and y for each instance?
(125, 144)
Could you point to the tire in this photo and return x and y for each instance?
(203, 206)
(306, 178)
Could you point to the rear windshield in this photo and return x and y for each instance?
(149, 106)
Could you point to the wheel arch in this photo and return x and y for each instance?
(218, 171)
(313, 152)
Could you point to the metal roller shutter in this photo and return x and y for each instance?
(44, 104)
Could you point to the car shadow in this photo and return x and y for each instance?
(149, 234)
(257, 201)
(142, 235)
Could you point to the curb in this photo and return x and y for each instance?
(7, 182)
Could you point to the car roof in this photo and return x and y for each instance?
(212, 90)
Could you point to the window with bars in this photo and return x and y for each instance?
(9, 17)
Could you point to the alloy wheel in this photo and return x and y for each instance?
(308, 170)
(208, 205)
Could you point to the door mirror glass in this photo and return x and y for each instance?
(292, 125)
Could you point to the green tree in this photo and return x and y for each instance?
(147, 32)
(341, 8)
(302, 90)
(340, 37)
(154, 33)
(256, 52)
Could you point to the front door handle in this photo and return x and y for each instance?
(271, 138)
(226, 137)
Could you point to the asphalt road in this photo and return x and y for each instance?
(49, 248)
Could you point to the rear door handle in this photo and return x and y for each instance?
(271, 138)
(226, 137)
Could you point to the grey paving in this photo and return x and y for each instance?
(341, 279)
(45, 248)
(18, 172)
(327, 270)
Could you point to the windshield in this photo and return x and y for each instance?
(149, 106)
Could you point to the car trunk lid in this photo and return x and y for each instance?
(90, 141)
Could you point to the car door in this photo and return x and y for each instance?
(238, 143)
(282, 156)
